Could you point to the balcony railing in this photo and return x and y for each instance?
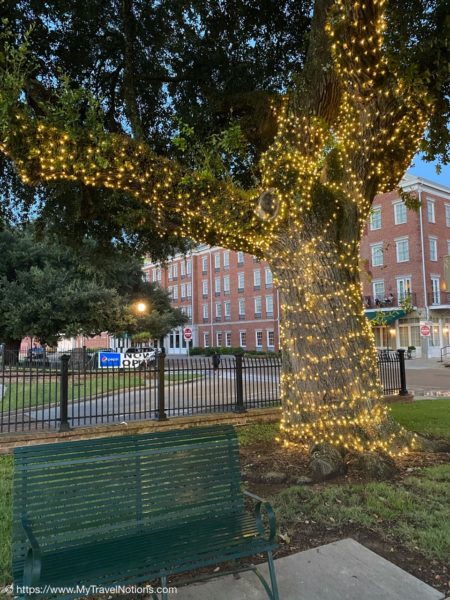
(371, 302)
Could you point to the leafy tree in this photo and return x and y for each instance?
(48, 291)
(266, 127)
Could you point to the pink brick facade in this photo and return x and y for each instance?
(229, 297)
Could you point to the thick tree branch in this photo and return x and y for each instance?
(188, 204)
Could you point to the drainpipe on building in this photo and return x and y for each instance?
(425, 340)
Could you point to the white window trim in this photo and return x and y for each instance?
(256, 338)
(372, 249)
(447, 214)
(434, 239)
(402, 239)
(431, 202)
(399, 203)
(378, 210)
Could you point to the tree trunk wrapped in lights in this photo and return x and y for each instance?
(346, 132)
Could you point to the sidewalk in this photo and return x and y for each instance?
(427, 378)
(343, 570)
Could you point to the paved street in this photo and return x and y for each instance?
(427, 378)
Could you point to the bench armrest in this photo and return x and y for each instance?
(263, 504)
(33, 563)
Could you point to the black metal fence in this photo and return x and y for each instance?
(72, 390)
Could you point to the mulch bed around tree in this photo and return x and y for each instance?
(260, 459)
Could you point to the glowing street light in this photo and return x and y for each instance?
(141, 308)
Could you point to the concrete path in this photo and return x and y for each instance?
(344, 570)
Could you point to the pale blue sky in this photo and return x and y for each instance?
(428, 171)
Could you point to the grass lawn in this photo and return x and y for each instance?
(429, 417)
(26, 394)
(414, 513)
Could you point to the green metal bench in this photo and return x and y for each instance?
(133, 509)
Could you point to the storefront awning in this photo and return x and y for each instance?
(385, 317)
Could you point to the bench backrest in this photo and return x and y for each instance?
(73, 492)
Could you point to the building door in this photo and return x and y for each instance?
(175, 343)
(403, 288)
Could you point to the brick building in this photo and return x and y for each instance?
(230, 299)
(404, 252)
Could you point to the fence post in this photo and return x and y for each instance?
(239, 407)
(401, 361)
(64, 401)
(161, 389)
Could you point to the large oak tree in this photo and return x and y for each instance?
(266, 127)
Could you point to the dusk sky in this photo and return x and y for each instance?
(428, 171)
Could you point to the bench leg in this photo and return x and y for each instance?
(164, 594)
(273, 576)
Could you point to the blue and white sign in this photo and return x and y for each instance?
(109, 359)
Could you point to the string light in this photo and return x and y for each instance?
(321, 178)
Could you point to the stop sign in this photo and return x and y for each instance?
(187, 333)
(425, 330)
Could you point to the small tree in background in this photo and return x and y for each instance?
(49, 291)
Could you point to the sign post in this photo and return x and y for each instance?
(187, 335)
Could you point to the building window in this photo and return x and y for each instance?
(217, 261)
(189, 267)
(377, 255)
(227, 310)
(435, 290)
(433, 249)
(400, 215)
(403, 288)
(218, 311)
(375, 218)
(226, 284)
(204, 264)
(378, 291)
(189, 312)
(431, 211)
(448, 247)
(205, 288)
(241, 308)
(258, 307)
(205, 312)
(206, 340)
(447, 215)
(241, 282)
(170, 272)
(228, 339)
(270, 339)
(402, 249)
(269, 306)
(175, 271)
(189, 290)
(403, 331)
(226, 260)
(259, 338)
(269, 278)
(217, 286)
(240, 258)
(175, 292)
(219, 338)
(257, 279)
(183, 268)
(243, 339)
(183, 291)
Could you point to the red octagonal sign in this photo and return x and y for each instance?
(425, 330)
(187, 333)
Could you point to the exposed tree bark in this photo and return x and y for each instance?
(11, 350)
